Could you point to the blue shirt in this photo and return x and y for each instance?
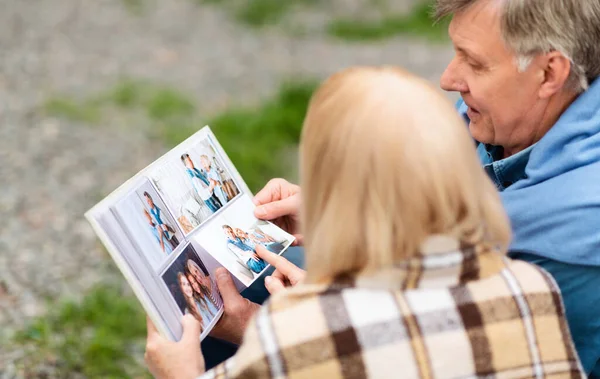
(195, 173)
(551, 191)
(155, 211)
(503, 172)
(240, 244)
(157, 236)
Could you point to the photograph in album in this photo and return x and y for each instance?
(192, 287)
(196, 184)
(232, 236)
(174, 223)
(149, 223)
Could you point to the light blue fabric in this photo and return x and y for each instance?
(555, 209)
(219, 192)
(212, 309)
(195, 173)
(155, 211)
(166, 243)
(503, 172)
(240, 244)
(256, 266)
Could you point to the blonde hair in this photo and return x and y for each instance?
(386, 162)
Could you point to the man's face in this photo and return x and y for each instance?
(502, 101)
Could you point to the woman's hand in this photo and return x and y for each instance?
(286, 273)
(169, 360)
(279, 202)
(237, 310)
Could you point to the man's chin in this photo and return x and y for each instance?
(480, 133)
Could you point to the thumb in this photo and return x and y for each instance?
(285, 207)
(229, 292)
(273, 284)
(192, 329)
(151, 329)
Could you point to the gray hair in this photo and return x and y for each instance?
(531, 27)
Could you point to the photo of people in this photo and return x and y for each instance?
(232, 238)
(146, 217)
(196, 184)
(192, 287)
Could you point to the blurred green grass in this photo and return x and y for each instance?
(257, 139)
(65, 107)
(259, 13)
(95, 337)
(419, 22)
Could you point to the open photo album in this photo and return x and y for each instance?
(175, 222)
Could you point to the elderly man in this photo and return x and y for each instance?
(527, 73)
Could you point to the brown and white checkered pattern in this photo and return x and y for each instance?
(465, 313)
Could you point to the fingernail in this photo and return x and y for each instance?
(268, 280)
(220, 272)
(261, 211)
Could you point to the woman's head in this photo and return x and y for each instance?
(184, 285)
(194, 269)
(240, 233)
(386, 162)
(228, 230)
(193, 282)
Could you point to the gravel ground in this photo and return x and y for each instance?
(53, 170)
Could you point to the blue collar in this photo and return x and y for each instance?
(503, 172)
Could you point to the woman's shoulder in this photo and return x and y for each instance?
(530, 278)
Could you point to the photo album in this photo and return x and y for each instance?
(175, 222)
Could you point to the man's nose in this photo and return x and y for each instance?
(451, 80)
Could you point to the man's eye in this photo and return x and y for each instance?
(475, 66)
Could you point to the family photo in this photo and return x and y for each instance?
(233, 236)
(150, 224)
(192, 287)
(196, 184)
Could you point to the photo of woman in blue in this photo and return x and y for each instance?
(243, 250)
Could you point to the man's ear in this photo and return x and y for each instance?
(556, 68)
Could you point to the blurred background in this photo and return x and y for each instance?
(93, 91)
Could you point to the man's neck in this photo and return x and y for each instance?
(556, 106)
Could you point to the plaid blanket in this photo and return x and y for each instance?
(452, 312)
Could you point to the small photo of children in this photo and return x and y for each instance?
(192, 288)
(196, 185)
(232, 238)
(151, 225)
(243, 245)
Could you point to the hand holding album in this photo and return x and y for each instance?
(195, 197)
